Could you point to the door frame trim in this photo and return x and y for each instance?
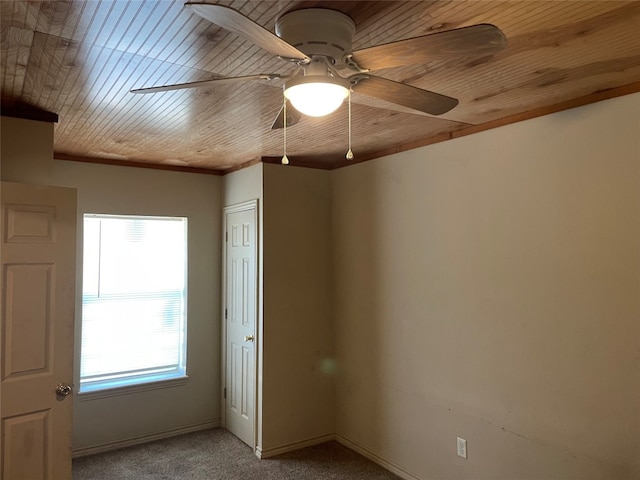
(241, 207)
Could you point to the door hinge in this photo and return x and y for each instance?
(225, 392)
(225, 313)
(226, 236)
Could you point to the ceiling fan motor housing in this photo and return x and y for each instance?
(318, 31)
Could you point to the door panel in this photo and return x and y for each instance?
(27, 322)
(38, 300)
(240, 305)
(31, 429)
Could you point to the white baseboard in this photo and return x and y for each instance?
(290, 447)
(129, 442)
(260, 453)
(375, 458)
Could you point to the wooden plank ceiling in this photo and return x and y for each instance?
(79, 59)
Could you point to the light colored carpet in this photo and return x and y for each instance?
(218, 455)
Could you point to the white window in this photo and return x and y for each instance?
(133, 300)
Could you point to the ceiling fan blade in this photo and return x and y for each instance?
(235, 22)
(206, 83)
(293, 117)
(405, 95)
(358, 98)
(476, 40)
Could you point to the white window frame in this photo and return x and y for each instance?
(148, 380)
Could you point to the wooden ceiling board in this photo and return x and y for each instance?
(80, 58)
(16, 48)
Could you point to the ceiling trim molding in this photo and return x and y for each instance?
(248, 164)
(306, 162)
(129, 163)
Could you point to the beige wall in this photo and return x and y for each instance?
(298, 402)
(26, 150)
(27, 158)
(243, 185)
(488, 288)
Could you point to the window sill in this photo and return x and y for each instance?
(131, 389)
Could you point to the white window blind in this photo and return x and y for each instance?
(133, 300)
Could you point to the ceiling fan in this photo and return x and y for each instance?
(319, 42)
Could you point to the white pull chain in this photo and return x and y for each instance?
(349, 153)
(285, 159)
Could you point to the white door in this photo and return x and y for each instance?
(240, 321)
(38, 300)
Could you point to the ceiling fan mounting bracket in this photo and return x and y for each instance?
(353, 65)
(318, 32)
(297, 61)
(354, 79)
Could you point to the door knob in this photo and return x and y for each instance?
(248, 338)
(63, 390)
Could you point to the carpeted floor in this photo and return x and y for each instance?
(218, 455)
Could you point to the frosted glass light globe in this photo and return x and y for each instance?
(316, 96)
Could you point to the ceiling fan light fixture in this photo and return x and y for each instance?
(316, 95)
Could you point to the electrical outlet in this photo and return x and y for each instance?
(462, 447)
